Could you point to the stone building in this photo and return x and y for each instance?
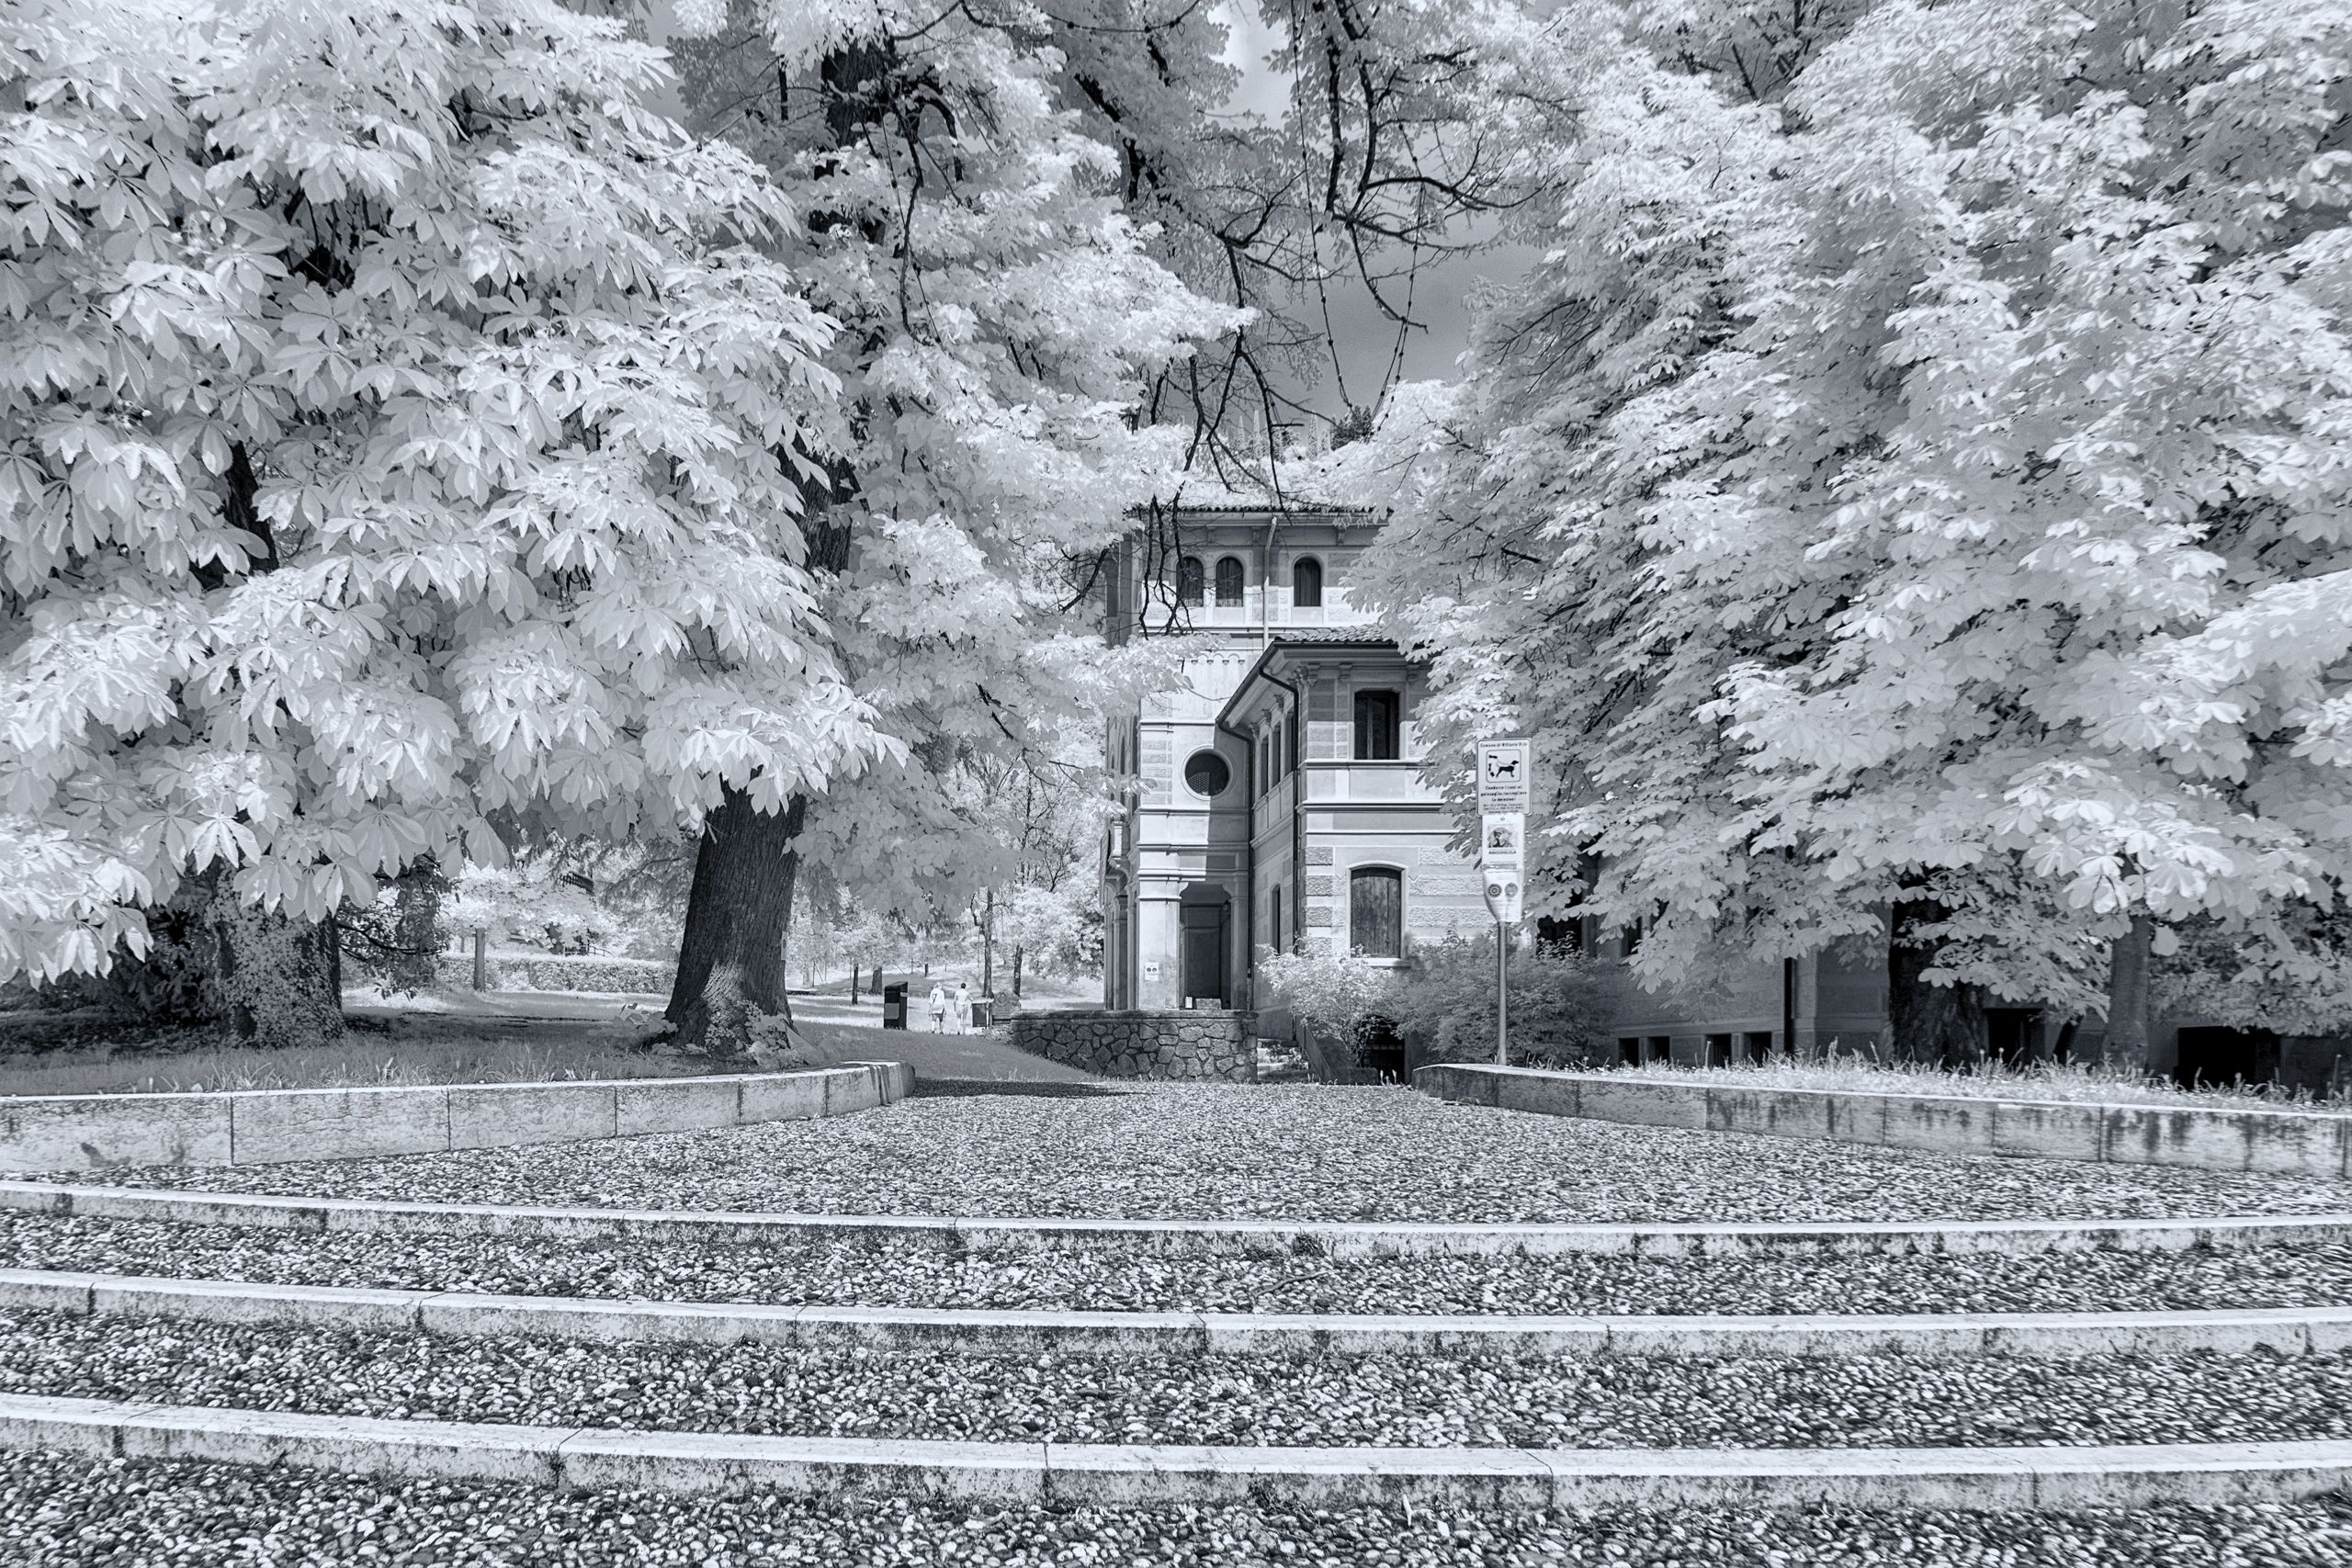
(1276, 799)
(1276, 790)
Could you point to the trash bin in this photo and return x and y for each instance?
(894, 1006)
(980, 1013)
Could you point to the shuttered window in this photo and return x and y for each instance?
(1306, 583)
(1228, 580)
(1376, 911)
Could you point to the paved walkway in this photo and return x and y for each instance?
(843, 1033)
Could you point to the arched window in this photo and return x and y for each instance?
(1306, 583)
(1228, 580)
(1189, 580)
(1376, 911)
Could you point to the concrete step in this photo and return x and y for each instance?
(1173, 1237)
(2285, 1331)
(1278, 1061)
(1016, 1473)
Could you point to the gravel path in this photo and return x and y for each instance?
(1226, 1151)
(1113, 1280)
(1389, 1402)
(56, 1512)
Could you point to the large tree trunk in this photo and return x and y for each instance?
(214, 959)
(730, 961)
(1930, 1024)
(270, 981)
(416, 925)
(2129, 1021)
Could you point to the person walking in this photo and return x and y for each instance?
(962, 1006)
(938, 1007)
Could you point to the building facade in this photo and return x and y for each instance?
(1276, 801)
(1276, 796)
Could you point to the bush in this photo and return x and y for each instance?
(1333, 994)
(1561, 1002)
(540, 972)
(636, 976)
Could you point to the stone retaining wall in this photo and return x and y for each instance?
(2307, 1142)
(94, 1132)
(1201, 1043)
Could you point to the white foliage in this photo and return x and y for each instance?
(1926, 469)
(401, 420)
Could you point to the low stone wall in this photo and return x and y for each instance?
(1202, 1043)
(94, 1132)
(2304, 1142)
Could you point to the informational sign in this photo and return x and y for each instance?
(1503, 839)
(1503, 770)
(1504, 893)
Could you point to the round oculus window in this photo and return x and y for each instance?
(1208, 774)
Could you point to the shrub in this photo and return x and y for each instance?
(1561, 1002)
(1334, 994)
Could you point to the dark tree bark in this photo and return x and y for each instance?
(213, 959)
(988, 944)
(731, 966)
(730, 962)
(1931, 1024)
(2129, 1020)
(270, 981)
(416, 924)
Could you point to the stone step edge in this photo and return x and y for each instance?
(2040, 1336)
(1332, 1238)
(1068, 1474)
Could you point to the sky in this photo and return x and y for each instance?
(1365, 335)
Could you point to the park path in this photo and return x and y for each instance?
(839, 1032)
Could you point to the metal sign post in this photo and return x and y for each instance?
(1503, 769)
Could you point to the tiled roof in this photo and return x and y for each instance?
(1330, 634)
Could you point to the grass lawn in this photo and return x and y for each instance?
(2055, 1081)
(461, 1037)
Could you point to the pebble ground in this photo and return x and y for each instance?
(69, 1512)
(1111, 1279)
(1373, 1401)
(1294, 1152)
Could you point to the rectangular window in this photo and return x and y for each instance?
(1378, 716)
(1719, 1050)
(1629, 1050)
(1661, 1048)
(1757, 1045)
(1275, 918)
(1376, 912)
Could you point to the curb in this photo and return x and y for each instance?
(1056, 1473)
(87, 1132)
(2292, 1331)
(2304, 1142)
(1172, 1237)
